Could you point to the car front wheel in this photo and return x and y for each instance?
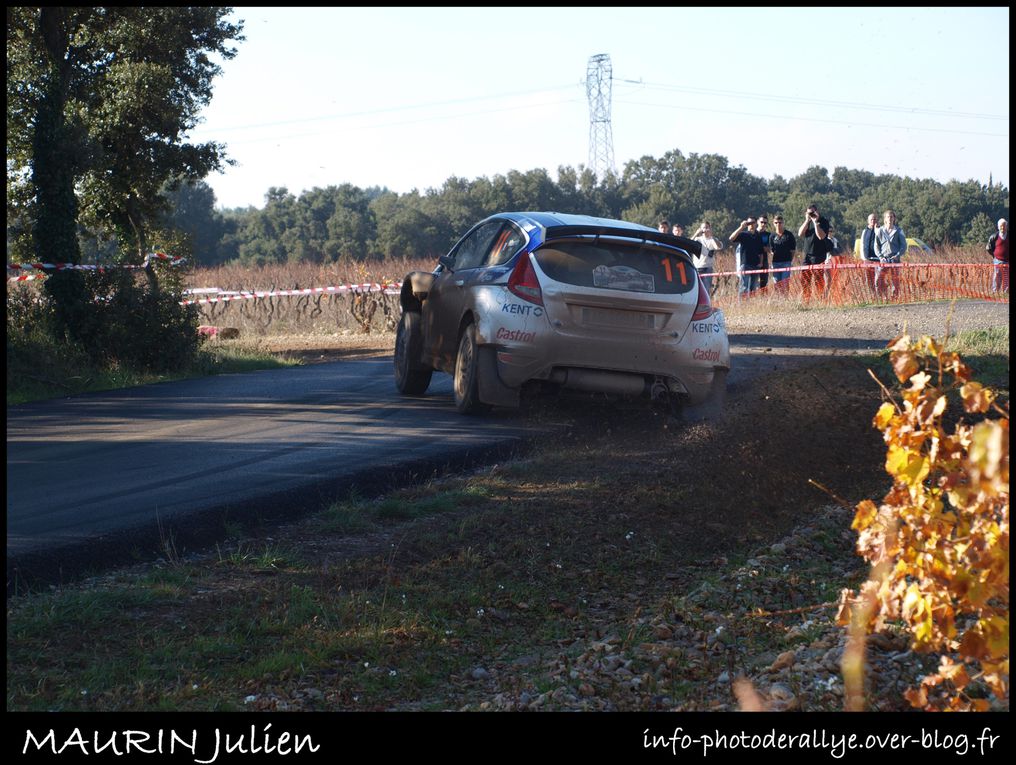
(466, 383)
(412, 377)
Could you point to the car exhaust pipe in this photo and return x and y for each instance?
(598, 381)
(659, 390)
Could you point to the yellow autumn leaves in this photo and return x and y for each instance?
(939, 540)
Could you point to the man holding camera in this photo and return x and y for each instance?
(815, 233)
(749, 248)
(705, 262)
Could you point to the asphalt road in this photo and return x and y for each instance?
(115, 469)
(102, 478)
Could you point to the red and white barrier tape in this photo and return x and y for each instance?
(172, 260)
(222, 297)
(834, 266)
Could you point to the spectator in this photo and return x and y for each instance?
(749, 257)
(834, 243)
(834, 259)
(763, 232)
(663, 226)
(814, 231)
(998, 248)
(868, 252)
(678, 230)
(705, 263)
(890, 246)
(782, 245)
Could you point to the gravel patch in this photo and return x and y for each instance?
(876, 322)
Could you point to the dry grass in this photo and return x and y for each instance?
(394, 604)
(950, 272)
(314, 315)
(375, 313)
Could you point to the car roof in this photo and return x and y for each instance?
(568, 224)
(547, 219)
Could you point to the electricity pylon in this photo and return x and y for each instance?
(601, 140)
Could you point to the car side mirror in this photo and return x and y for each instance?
(447, 261)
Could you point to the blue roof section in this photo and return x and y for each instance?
(547, 219)
(540, 225)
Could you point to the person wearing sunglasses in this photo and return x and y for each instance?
(782, 245)
(814, 232)
(749, 256)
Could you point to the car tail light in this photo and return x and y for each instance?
(523, 281)
(704, 307)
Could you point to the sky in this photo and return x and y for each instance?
(405, 98)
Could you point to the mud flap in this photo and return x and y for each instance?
(712, 408)
(491, 389)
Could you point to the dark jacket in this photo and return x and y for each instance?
(749, 246)
(991, 247)
(815, 249)
(868, 244)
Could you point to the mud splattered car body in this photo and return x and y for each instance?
(568, 300)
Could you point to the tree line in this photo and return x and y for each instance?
(100, 100)
(348, 222)
(99, 103)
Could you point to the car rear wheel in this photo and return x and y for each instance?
(412, 377)
(466, 379)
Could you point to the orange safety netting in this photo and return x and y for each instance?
(845, 281)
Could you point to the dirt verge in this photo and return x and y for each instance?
(638, 563)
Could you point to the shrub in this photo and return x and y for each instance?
(134, 323)
(939, 542)
(117, 318)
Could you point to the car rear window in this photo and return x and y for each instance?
(616, 266)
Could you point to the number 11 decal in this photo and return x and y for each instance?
(670, 274)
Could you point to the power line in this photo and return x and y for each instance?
(641, 84)
(813, 119)
(377, 125)
(813, 101)
(371, 112)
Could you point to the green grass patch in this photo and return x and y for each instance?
(38, 369)
(993, 341)
(225, 357)
(263, 556)
(358, 515)
(500, 582)
(986, 351)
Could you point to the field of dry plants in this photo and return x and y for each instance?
(637, 564)
(341, 315)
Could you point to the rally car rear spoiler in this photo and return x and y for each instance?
(688, 245)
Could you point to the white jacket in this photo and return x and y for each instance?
(710, 244)
(890, 244)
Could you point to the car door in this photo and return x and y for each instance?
(444, 306)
